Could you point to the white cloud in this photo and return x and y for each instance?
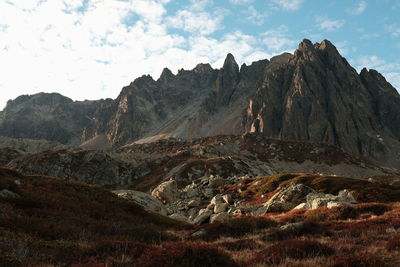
(358, 8)
(368, 36)
(290, 5)
(393, 29)
(189, 21)
(241, 2)
(254, 16)
(277, 40)
(196, 20)
(91, 51)
(327, 24)
(54, 46)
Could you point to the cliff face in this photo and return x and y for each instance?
(195, 103)
(319, 97)
(47, 116)
(312, 95)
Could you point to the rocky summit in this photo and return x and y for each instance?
(313, 95)
(291, 161)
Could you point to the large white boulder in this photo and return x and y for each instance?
(167, 192)
(146, 201)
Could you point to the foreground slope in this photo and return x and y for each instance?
(49, 221)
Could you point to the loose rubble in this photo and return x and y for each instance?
(202, 202)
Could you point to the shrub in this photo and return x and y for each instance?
(237, 227)
(7, 260)
(185, 254)
(240, 244)
(294, 248)
(109, 248)
(356, 260)
(393, 244)
(306, 229)
(336, 213)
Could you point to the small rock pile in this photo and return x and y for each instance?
(299, 196)
(197, 202)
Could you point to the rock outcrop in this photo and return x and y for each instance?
(146, 201)
(319, 97)
(313, 95)
(91, 167)
(298, 196)
(47, 116)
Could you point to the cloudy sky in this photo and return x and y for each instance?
(90, 49)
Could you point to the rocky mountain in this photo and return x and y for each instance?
(313, 95)
(46, 116)
(319, 97)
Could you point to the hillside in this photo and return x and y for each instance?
(143, 166)
(47, 221)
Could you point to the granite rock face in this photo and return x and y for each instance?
(313, 95)
(319, 97)
(47, 116)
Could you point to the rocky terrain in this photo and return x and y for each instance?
(280, 220)
(144, 166)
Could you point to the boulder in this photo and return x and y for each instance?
(208, 192)
(192, 193)
(204, 215)
(227, 198)
(193, 203)
(333, 204)
(301, 206)
(217, 199)
(216, 181)
(346, 196)
(220, 217)
(318, 200)
(167, 191)
(179, 217)
(146, 201)
(8, 194)
(293, 227)
(220, 207)
(288, 197)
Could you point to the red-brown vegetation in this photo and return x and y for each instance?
(237, 227)
(182, 254)
(240, 244)
(294, 248)
(356, 260)
(393, 244)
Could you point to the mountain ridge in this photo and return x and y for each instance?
(311, 95)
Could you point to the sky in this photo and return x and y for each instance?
(90, 49)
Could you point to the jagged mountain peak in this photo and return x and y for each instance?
(325, 44)
(230, 63)
(306, 44)
(166, 75)
(313, 95)
(202, 68)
